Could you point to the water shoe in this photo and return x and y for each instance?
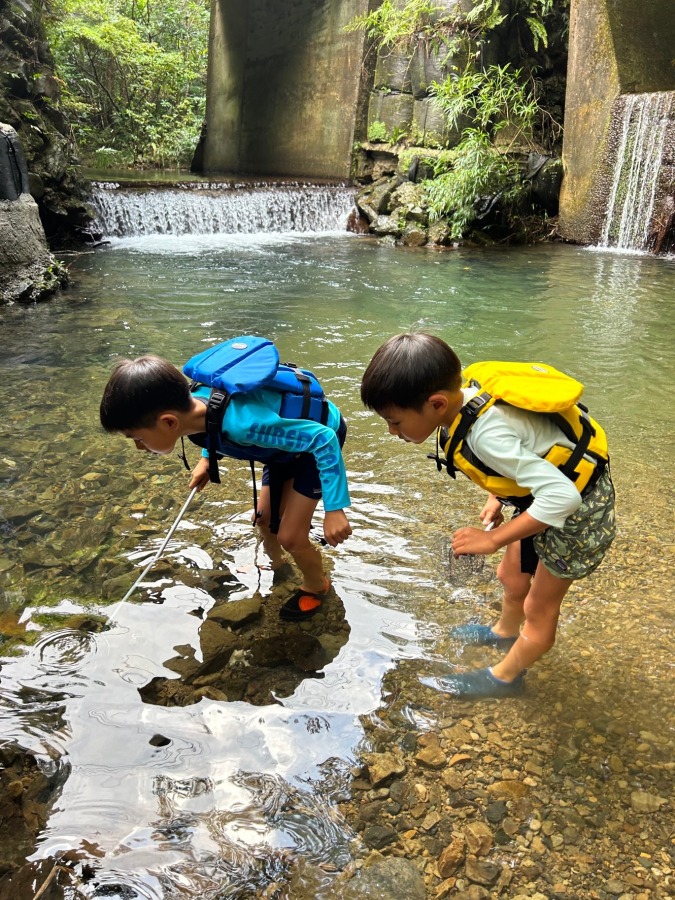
(476, 685)
(303, 604)
(473, 633)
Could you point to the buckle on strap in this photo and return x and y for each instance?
(473, 406)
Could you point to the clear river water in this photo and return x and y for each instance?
(215, 799)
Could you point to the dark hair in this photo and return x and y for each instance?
(407, 369)
(140, 390)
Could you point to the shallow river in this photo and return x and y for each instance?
(217, 799)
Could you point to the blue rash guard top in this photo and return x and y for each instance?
(253, 429)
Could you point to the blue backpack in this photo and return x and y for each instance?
(245, 364)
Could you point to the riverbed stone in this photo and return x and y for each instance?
(452, 856)
(378, 836)
(388, 879)
(235, 613)
(481, 871)
(479, 838)
(383, 766)
(646, 802)
(508, 790)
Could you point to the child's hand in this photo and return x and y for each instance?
(474, 540)
(200, 474)
(336, 528)
(491, 513)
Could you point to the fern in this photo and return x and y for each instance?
(478, 170)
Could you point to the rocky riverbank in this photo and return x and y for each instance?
(563, 794)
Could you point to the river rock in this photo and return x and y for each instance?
(452, 857)
(481, 872)
(235, 613)
(644, 802)
(389, 879)
(378, 836)
(478, 837)
(382, 766)
(508, 790)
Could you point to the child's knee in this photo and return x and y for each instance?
(293, 541)
(515, 582)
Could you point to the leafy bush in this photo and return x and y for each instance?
(391, 23)
(134, 75)
(475, 169)
(492, 100)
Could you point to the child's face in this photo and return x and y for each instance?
(411, 425)
(159, 438)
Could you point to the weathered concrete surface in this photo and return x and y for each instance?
(616, 47)
(284, 87)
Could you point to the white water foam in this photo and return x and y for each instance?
(221, 209)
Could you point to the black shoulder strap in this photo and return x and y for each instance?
(587, 432)
(306, 394)
(215, 410)
(305, 382)
(468, 415)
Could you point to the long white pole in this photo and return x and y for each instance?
(158, 554)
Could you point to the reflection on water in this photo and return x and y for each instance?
(198, 800)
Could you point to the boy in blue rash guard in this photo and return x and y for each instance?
(149, 401)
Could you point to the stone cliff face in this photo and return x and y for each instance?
(28, 95)
(28, 271)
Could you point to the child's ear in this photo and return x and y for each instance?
(169, 420)
(439, 402)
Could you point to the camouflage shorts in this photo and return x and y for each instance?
(577, 549)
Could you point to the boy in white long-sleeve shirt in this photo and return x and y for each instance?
(559, 533)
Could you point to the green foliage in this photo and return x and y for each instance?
(392, 24)
(377, 132)
(492, 100)
(134, 76)
(487, 15)
(474, 169)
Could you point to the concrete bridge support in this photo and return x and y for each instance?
(284, 87)
(616, 47)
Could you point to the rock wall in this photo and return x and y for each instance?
(28, 95)
(28, 271)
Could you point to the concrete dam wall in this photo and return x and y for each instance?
(616, 48)
(285, 88)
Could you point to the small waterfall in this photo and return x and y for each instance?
(220, 208)
(643, 132)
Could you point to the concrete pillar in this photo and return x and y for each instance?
(616, 47)
(284, 87)
(225, 85)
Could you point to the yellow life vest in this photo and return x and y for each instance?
(538, 388)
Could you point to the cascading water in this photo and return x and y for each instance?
(220, 208)
(640, 200)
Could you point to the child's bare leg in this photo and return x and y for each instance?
(270, 541)
(542, 609)
(516, 585)
(294, 538)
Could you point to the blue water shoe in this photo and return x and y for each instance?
(473, 633)
(476, 685)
